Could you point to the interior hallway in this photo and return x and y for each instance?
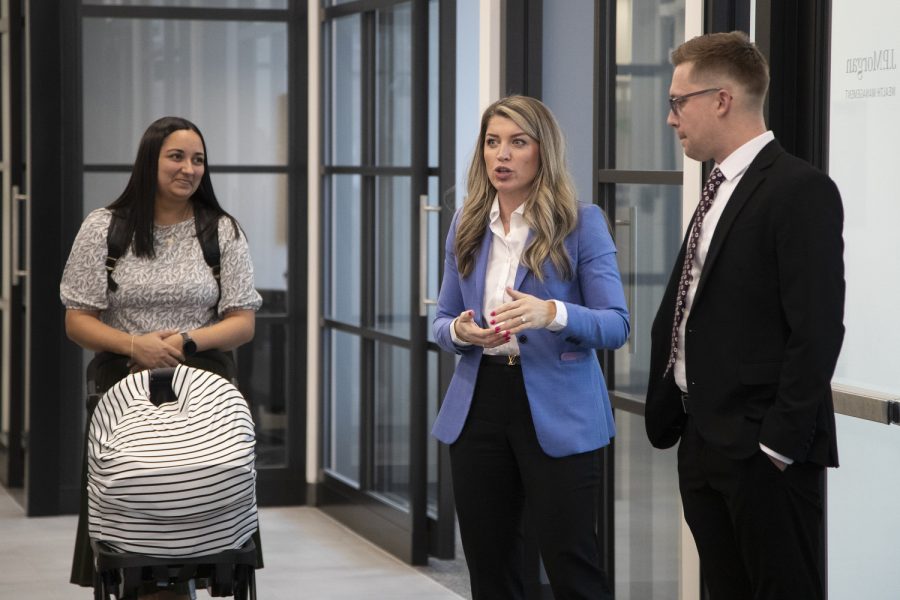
(308, 556)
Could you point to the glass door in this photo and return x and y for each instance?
(380, 229)
(13, 226)
(640, 185)
(237, 73)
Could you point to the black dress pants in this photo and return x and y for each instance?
(498, 468)
(758, 529)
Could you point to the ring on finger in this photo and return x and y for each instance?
(524, 318)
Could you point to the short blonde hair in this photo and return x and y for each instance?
(732, 55)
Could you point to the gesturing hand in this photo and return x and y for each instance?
(523, 312)
(468, 331)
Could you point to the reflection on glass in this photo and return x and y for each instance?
(342, 406)
(648, 237)
(648, 518)
(228, 77)
(259, 203)
(344, 231)
(391, 424)
(195, 3)
(646, 33)
(393, 85)
(392, 256)
(262, 373)
(346, 91)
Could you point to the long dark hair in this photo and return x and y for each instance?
(136, 203)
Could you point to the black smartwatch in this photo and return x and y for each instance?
(188, 345)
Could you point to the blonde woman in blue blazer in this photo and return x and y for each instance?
(530, 290)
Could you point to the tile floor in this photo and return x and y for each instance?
(308, 556)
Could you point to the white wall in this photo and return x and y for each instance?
(863, 522)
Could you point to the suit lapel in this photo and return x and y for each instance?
(755, 175)
(477, 277)
(523, 270)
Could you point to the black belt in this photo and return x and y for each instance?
(685, 403)
(501, 359)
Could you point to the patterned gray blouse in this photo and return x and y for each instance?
(175, 290)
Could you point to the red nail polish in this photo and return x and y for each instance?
(493, 314)
(497, 329)
(493, 322)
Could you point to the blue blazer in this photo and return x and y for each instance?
(566, 390)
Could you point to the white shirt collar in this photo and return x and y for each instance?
(739, 160)
(495, 210)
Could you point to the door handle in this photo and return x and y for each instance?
(625, 228)
(19, 204)
(424, 209)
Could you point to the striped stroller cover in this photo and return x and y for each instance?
(176, 479)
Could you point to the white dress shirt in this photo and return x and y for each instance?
(503, 262)
(733, 168)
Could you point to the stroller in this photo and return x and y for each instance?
(171, 486)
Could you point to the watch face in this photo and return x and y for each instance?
(188, 345)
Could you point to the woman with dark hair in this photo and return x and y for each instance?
(530, 290)
(159, 303)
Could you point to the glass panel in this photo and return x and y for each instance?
(863, 522)
(646, 33)
(342, 407)
(467, 111)
(195, 3)
(434, 78)
(392, 255)
(230, 78)
(433, 444)
(262, 377)
(101, 189)
(648, 515)
(346, 91)
(259, 203)
(344, 231)
(393, 82)
(391, 424)
(568, 83)
(648, 236)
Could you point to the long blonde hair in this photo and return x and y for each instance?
(551, 209)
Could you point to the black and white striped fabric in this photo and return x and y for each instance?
(176, 479)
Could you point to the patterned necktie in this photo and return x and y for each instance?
(709, 194)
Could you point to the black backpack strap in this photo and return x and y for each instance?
(207, 225)
(116, 243)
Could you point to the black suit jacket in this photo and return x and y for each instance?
(766, 324)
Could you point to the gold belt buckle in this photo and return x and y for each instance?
(512, 360)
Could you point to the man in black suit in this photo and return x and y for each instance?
(740, 370)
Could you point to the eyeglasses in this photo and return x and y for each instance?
(676, 102)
